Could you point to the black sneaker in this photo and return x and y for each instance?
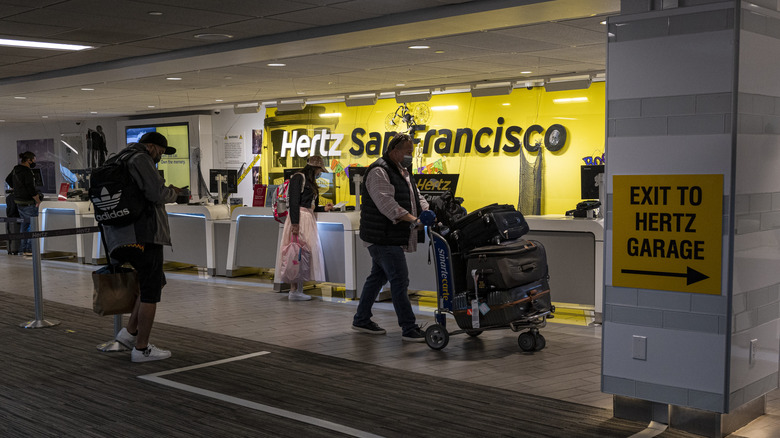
(371, 328)
(414, 335)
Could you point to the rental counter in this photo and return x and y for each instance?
(253, 239)
(575, 257)
(57, 215)
(193, 236)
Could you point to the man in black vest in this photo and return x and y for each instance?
(388, 227)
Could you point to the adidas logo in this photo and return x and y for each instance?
(107, 201)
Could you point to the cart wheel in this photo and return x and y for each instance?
(473, 333)
(526, 341)
(437, 337)
(539, 342)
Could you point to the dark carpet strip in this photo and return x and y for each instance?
(55, 383)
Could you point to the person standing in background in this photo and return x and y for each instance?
(303, 197)
(26, 196)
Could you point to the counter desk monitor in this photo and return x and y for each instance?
(325, 184)
(591, 177)
(229, 182)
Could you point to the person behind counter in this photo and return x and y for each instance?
(141, 242)
(388, 226)
(303, 198)
(25, 195)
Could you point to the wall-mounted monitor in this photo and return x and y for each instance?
(588, 174)
(228, 186)
(177, 166)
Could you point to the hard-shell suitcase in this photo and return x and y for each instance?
(509, 264)
(503, 307)
(13, 228)
(488, 225)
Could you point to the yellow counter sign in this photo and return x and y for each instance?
(667, 232)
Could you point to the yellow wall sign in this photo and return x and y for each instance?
(667, 232)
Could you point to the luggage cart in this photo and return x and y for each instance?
(437, 336)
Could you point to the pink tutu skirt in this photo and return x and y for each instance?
(307, 235)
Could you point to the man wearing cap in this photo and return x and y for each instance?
(141, 243)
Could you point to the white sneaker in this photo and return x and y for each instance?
(151, 353)
(298, 296)
(125, 338)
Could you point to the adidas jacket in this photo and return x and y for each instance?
(152, 227)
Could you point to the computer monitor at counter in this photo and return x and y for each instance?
(588, 184)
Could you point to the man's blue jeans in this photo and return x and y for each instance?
(388, 264)
(27, 213)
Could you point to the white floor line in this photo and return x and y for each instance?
(653, 429)
(155, 377)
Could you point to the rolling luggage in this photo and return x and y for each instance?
(508, 265)
(13, 245)
(502, 307)
(488, 225)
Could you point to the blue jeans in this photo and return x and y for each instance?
(27, 213)
(388, 263)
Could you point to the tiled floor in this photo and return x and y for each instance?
(568, 369)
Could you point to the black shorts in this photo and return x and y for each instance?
(149, 264)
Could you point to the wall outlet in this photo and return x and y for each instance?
(640, 347)
(753, 350)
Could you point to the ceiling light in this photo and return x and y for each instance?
(44, 117)
(577, 84)
(150, 106)
(276, 64)
(213, 36)
(439, 51)
(154, 13)
(291, 105)
(413, 96)
(361, 99)
(2, 120)
(482, 90)
(173, 79)
(526, 72)
(419, 47)
(444, 108)
(330, 115)
(20, 97)
(400, 85)
(571, 100)
(218, 100)
(246, 108)
(93, 112)
(42, 45)
(87, 89)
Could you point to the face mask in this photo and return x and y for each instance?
(32, 165)
(407, 161)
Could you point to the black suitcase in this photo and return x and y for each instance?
(488, 225)
(13, 228)
(504, 306)
(508, 265)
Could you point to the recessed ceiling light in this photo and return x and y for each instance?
(93, 112)
(154, 13)
(525, 72)
(42, 45)
(439, 51)
(173, 79)
(400, 85)
(217, 100)
(213, 36)
(2, 120)
(150, 106)
(276, 64)
(20, 97)
(420, 47)
(44, 117)
(87, 89)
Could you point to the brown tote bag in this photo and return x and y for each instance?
(116, 289)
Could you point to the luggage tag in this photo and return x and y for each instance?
(474, 313)
(484, 308)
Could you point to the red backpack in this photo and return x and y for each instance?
(281, 198)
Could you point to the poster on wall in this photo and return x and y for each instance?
(257, 141)
(44, 160)
(234, 151)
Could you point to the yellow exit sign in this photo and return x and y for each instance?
(667, 232)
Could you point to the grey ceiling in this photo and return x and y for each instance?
(331, 47)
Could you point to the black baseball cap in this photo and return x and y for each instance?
(155, 137)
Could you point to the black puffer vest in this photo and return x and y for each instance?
(374, 226)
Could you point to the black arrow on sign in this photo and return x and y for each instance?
(692, 275)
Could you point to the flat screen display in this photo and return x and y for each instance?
(588, 185)
(176, 167)
(229, 186)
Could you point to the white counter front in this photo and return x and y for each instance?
(192, 234)
(57, 215)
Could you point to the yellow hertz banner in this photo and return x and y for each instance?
(668, 232)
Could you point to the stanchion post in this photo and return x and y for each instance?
(39, 321)
(113, 345)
